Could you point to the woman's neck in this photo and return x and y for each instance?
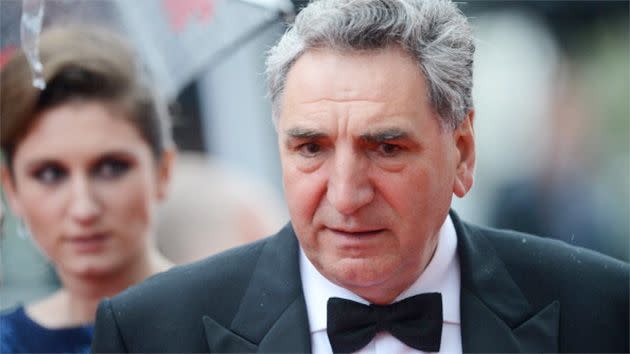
(76, 302)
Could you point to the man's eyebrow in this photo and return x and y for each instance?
(304, 133)
(385, 135)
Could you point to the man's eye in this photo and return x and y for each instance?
(111, 168)
(309, 149)
(50, 174)
(389, 150)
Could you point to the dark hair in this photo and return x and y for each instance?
(86, 64)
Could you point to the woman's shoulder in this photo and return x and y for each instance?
(19, 334)
(14, 317)
(14, 324)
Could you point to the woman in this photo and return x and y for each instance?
(86, 161)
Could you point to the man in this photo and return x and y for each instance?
(372, 104)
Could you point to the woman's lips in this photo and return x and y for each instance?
(88, 243)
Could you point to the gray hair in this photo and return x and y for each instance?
(434, 32)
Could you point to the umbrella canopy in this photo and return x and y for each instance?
(177, 40)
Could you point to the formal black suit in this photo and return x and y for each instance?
(519, 293)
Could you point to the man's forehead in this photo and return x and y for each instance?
(351, 75)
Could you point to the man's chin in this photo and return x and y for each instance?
(362, 273)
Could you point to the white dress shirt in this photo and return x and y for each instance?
(441, 275)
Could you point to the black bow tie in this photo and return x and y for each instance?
(415, 321)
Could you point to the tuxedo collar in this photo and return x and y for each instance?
(495, 315)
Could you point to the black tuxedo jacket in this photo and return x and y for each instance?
(519, 293)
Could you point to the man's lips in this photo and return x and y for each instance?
(363, 232)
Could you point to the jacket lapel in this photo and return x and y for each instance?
(221, 339)
(495, 315)
(272, 316)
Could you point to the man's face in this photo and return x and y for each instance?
(368, 171)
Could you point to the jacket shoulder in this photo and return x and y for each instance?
(545, 270)
(168, 307)
(531, 253)
(210, 286)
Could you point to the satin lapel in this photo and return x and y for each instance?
(222, 340)
(273, 311)
(290, 334)
(495, 315)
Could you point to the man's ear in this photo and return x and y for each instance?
(464, 137)
(165, 172)
(9, 188)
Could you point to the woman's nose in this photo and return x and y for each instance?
(84, 206)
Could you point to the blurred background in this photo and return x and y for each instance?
(552, 93)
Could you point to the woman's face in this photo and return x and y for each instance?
(87, 185)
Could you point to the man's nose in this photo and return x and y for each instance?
(84, 206)
(349, 186)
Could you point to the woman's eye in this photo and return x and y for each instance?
(389, 150)
(309, 149)
(50, 174)
(111, 168)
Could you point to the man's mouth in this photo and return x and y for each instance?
(364, 232)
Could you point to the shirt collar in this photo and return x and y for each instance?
(441, 275)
